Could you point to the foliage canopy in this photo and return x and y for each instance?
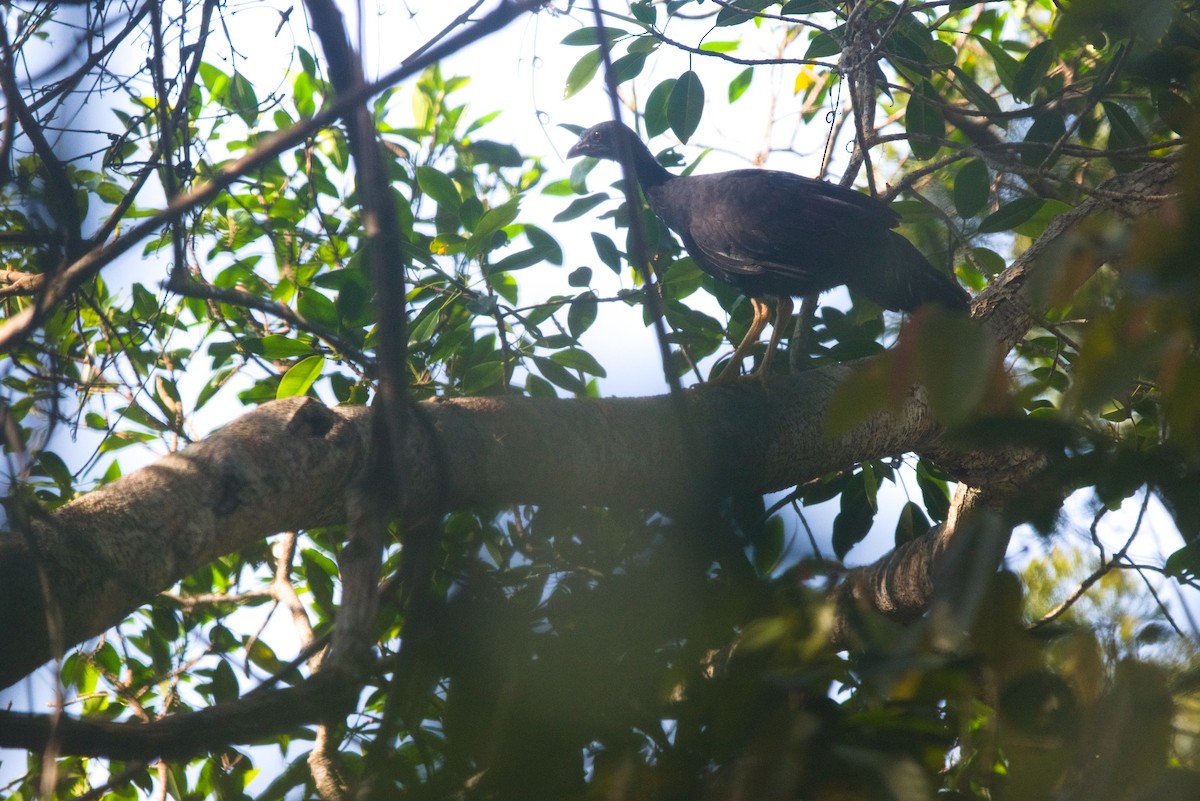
(202, 231)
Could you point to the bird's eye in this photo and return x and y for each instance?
(595, 134)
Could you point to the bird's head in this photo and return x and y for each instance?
(602, 141)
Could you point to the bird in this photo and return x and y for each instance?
(773, 234)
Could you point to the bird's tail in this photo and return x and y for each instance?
(904, 279)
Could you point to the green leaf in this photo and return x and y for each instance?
(242, 98)
(545, 243)
(138, 415)
(492, 221)
(316, 308)
(769, 545)
(439, 186)
(583, 72)
(224, 685)
(580, 277)
(825, 44)
(934, 493)
(559, 376)
(911, 524)
(854, 520)
(581, 314)
(481, 376)
(1010, 215)
(686, 105)
(740, 11)
(1176, 112)
(580, 207)
(655, 115)
(740, 83)
(956, 361)
(277, 346)
(1041, 137)
(1006, 66)
(628, 67)
(578, 359)
(643, 11)
(607, 251)
(593, 36)
(518, 261)
(1035, 226)
(497, 154)
(975, 93)
(1033, 69)
(538, 387)
(426, 323)
(972, 188)
(1185, 562)
(924, 118)
(212, 386)
(1122, 130)
(300, 377)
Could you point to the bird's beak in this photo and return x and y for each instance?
(578, 149)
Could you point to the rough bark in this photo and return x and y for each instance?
(291, 464)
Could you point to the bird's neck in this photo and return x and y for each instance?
(650, 173)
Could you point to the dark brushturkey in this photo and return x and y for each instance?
(771, 233)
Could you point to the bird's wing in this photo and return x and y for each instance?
(776, 232)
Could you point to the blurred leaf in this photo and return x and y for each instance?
(740, 83)
(866, 390)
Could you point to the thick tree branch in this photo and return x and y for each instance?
(290, 464)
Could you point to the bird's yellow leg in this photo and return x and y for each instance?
(783, 318)
(762, 313)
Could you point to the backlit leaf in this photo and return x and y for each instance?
(655, 114)
(300, 377)
(686, 105)
(583, 72)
